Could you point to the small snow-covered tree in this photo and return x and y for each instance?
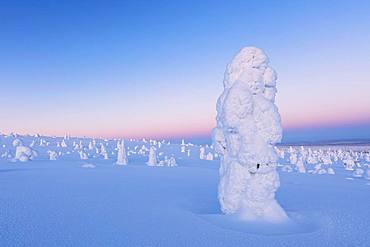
(171, 161)
(105, 155)
(52, 155)
(293, 158)
(24, 153)
(42, 143)
(121, 155)
(209, 156)
(91, 146)
(349, 163)
(202, 153)
(83, 155)
(326, 159)
(103, 151)
(63, 144)
(152, 161)
(300, 165)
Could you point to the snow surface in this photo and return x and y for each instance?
(61, 203)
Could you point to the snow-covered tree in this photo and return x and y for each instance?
(171, 162)
(103, 151)
(326, 159)
(202, 153)
(293, 158)
(24, 153)
(209, 156)
(349, 163)
(42, 143)
(52, 155)
(63, 144)
(83, 155)
(300, 165)
(121, 155)
(91, 146)
(152, 161)
(248, 127)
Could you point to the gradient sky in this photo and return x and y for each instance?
(155, 68)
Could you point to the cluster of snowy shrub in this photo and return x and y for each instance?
(321, 160)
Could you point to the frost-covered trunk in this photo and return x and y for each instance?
(248, 127)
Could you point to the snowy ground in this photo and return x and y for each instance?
(74, 202)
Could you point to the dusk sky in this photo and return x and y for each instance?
(155, 68)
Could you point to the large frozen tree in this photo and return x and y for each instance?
(248, 127)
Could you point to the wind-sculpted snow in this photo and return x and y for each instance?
(248, 127)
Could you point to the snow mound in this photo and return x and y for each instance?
(88, 166)
(286, 168)
(358, 173)
(296, 224)
(367, 174)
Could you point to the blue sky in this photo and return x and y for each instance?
(155, 68)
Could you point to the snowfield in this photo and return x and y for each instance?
(71, 192)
